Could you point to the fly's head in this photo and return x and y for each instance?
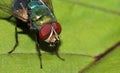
(49, 36)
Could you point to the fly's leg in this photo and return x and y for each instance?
(57, 54)
(16, 39)
(58, 42)
(38, 49)
(9, 17)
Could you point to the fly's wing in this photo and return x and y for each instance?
(6, 6)
(17, 8)
(48, 3)
(20, 9)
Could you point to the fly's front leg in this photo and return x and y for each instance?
(38, 49)
(30, 23)
(9, 17)
(16, 39)
(57, 54)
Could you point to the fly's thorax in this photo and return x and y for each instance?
(40, 22)
(40, 15)
(44, 20)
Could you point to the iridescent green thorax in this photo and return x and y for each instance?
(40, 14)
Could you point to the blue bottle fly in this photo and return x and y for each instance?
(38, 16)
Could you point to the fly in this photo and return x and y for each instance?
(37, 15)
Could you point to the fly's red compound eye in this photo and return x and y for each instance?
(45, 31)
(57, 27)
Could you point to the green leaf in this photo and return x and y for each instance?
(109, 64)
(86, 29)
(29, 63)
